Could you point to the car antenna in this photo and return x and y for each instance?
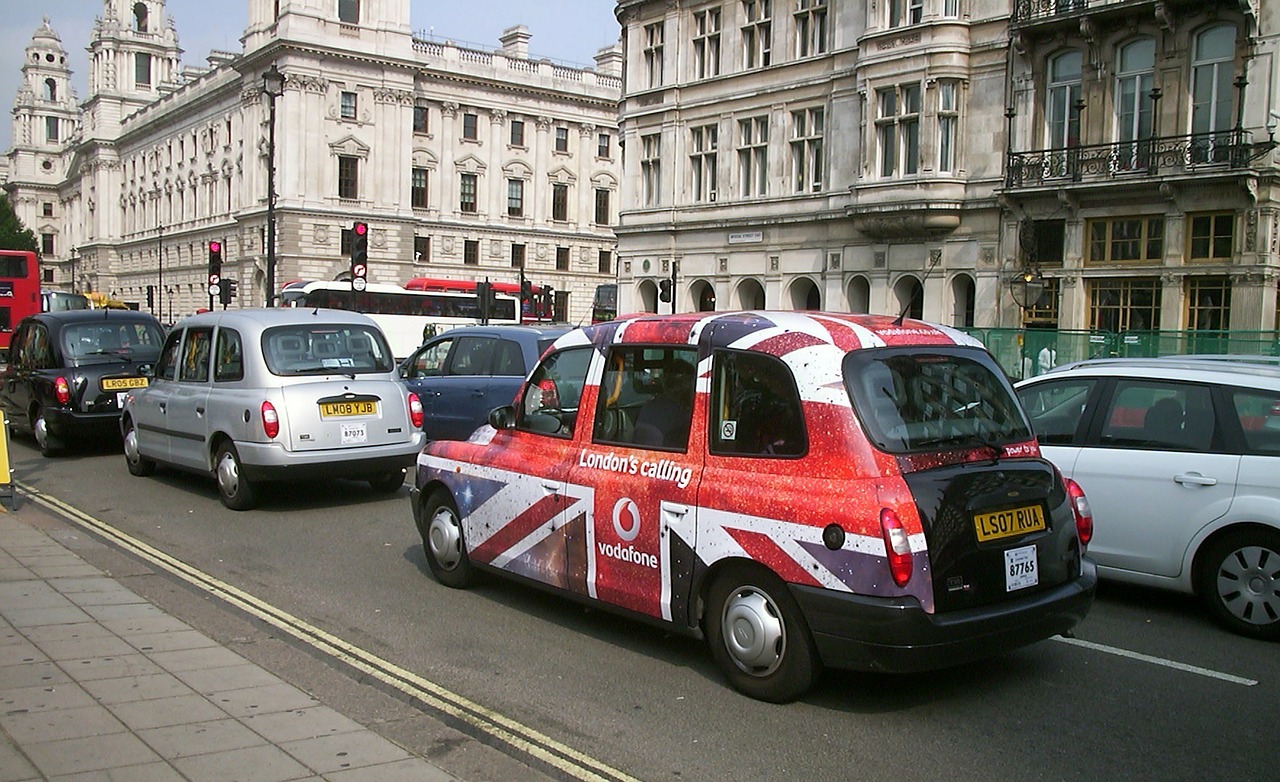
(937, 259)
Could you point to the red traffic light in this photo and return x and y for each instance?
(361, 229)
(215, 247)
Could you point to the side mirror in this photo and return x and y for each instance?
(147, 370)
(503, 417)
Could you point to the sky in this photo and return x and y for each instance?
(571, 31)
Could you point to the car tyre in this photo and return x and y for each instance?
(387, 483)
(1240, 581)
(443, 542)
(233, 487)
(48, 443)
(758, 636)
(138, 464)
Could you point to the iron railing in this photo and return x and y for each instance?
(1144, 157)
(1026, 11)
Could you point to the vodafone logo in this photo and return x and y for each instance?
(626, 519)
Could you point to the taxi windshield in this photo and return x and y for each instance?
(316, 349)
(913, 399)
(112, 340)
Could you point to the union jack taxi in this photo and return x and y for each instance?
(802, 489)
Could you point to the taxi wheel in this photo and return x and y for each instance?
(758, 636)
(387, 482)
(1240, 580)
(443, 544)
(234, 489)
(138, 464)
(49, 444)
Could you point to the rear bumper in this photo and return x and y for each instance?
(64, 423)
(896, 635)
(271, 462)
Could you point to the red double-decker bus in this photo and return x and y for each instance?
(19, 290)
(538, 308)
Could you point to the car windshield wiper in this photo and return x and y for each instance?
(113, 353)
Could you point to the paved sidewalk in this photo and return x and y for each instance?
(97, 683)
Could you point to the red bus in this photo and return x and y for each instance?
(540, 308)
(19, 290)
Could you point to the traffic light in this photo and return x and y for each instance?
(664, 289)
(226, 291)
(215, 264)
(526, 289)
(483, 293)
(151, 297)
(359, 255)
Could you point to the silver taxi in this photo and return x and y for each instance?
(257, 395)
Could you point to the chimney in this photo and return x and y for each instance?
(609, 61)
(515, 42)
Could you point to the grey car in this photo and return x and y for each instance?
(257, 395)
(465, 372)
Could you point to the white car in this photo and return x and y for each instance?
(255, 395)
(1180, 459)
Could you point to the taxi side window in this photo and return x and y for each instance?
(471, 356)
(549, 402)
(430, 361)
(756, 409)
(167, 364)
(229, 361)
(646, 397)
(195, 355)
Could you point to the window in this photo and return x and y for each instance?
(806, 149)
(753, 156)
(348, 176)
(950, 9)
(550, 400)
(655, 410)
(1062, 118)
(905, 12)
(50, 128)
(757, 33)
(605, 262)
(559, 202)
(467, 193)
(1159, 415)
(603, 142)
(703, 142)
(1135, 71)
(562, 139)
(948, 121)
(517, 256)
(228, 364)
(140, 17)
(344, 242)
(651, 168)
(1211, 237)
(46, 209)
(1258, 412)
(1212, 62)
(418, 188)
(517, 133)
(1208, 305)
(420, 116)
(422, 249)
(653, 38)
(469, 129)
(347, 105)
(50, 90)
(602, 206)
(811, 27)
(898, 129)
(1131, 304)
(515, 198)
(1055, 408)
(193, 365)
(46, 244)
(706, 43)
(349, 11)
(471, 252)
(142, 70)
(757, 410)
(1139, 239)
(562, 259)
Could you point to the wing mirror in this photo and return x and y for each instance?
(503, 417)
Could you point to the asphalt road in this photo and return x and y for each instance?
(1149, 689)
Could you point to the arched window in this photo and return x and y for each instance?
(50, 90)
(140, 17)
(1063, 90)
(1213, 54)
(1135, 73)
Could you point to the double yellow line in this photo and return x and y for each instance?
(519, 737)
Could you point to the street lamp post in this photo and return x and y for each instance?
(75, 251)
(1026, 288)
(273, 86)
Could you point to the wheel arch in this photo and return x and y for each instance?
(1206, 543)
(703, 582)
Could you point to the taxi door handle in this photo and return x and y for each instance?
(552, 487)
(676, 510)
(163, 406)
(1195, 479)
(199, 411)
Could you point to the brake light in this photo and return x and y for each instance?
(415, 410)
(896, 546)
(1080, 508)
(62, 390)
(270, 420)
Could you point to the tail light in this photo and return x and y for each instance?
(270, 420)
(1080, 509)
(896, 546)
(415, 410)
(62, 390)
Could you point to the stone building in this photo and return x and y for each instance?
(891, 155)
(464, 161)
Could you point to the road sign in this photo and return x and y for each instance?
(215, 289)
(358, 283)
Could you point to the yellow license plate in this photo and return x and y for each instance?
(347, 409)
(1008, 523)
(122, 383)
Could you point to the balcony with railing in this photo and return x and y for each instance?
(1027, 13)
(1161, 156)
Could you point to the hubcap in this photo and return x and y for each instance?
(753, 631)
(1249, 584)
(445, 539)
(228, 475)
(41, 430)
(131, 445)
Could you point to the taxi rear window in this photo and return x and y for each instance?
(920, 399)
